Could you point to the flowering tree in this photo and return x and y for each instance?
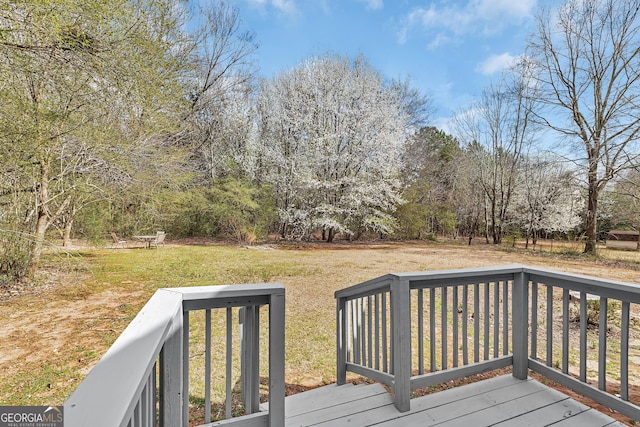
(549, 199)
(329, 144)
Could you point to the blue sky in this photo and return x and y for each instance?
(451, 49)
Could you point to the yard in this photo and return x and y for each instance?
(55, 330)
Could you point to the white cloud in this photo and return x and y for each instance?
(287, 7)
(257, 3)
(373, 4)
(496, 63)
(439, 40)
(402, 35)
(502, 9)
(448, 20)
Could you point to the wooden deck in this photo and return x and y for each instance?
(502, 401)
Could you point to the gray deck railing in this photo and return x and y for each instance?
(414, 330)
(143, 379)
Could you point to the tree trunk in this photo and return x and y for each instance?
(495, 228)
(592, 216)
(66, 237)
(486, 222)
(42, 222)
(331, 235)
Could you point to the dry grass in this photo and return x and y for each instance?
(54, 331)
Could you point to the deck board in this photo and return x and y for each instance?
(502, 401)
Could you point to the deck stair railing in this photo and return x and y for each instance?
(415, 330)
(143, 379)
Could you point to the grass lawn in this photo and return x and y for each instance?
(55, 330)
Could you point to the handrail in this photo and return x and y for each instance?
(498, 307)
(121, 374)
(121, 389)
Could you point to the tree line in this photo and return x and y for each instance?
(140, 115)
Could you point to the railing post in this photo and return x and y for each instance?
(401, 312)
(171, 375)
(250, 369)
(276, 359)
(520, 328)
(185, 368)
(341, 341)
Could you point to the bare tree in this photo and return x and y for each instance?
(588, 77)
(498, 131)
(417, 106)
(221, 86)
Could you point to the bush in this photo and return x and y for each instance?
(227, 208)
(93, 222)
(15, 255)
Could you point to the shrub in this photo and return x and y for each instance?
(15, 255)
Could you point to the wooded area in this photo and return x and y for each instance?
(120, 117)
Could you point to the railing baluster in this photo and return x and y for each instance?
(369, 332)
(432, 330)
(549, 325)
(228, 366)
(444, 333)
(377, 330)
(534, 320)
(153, 413)
(207, 366)
(385, 363)
(496, 319)
(391, 334)
(137, 415)
(465, 324)
(505, 315)
(602, 345)
(476, 322)
(144, 406)
(487, 320)
(420, 331)
(355, 332)
(363, 332)
(151, 404)
(583, 336)
(624, 352)
(454, 326)
(565, 331)
(520, 325)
